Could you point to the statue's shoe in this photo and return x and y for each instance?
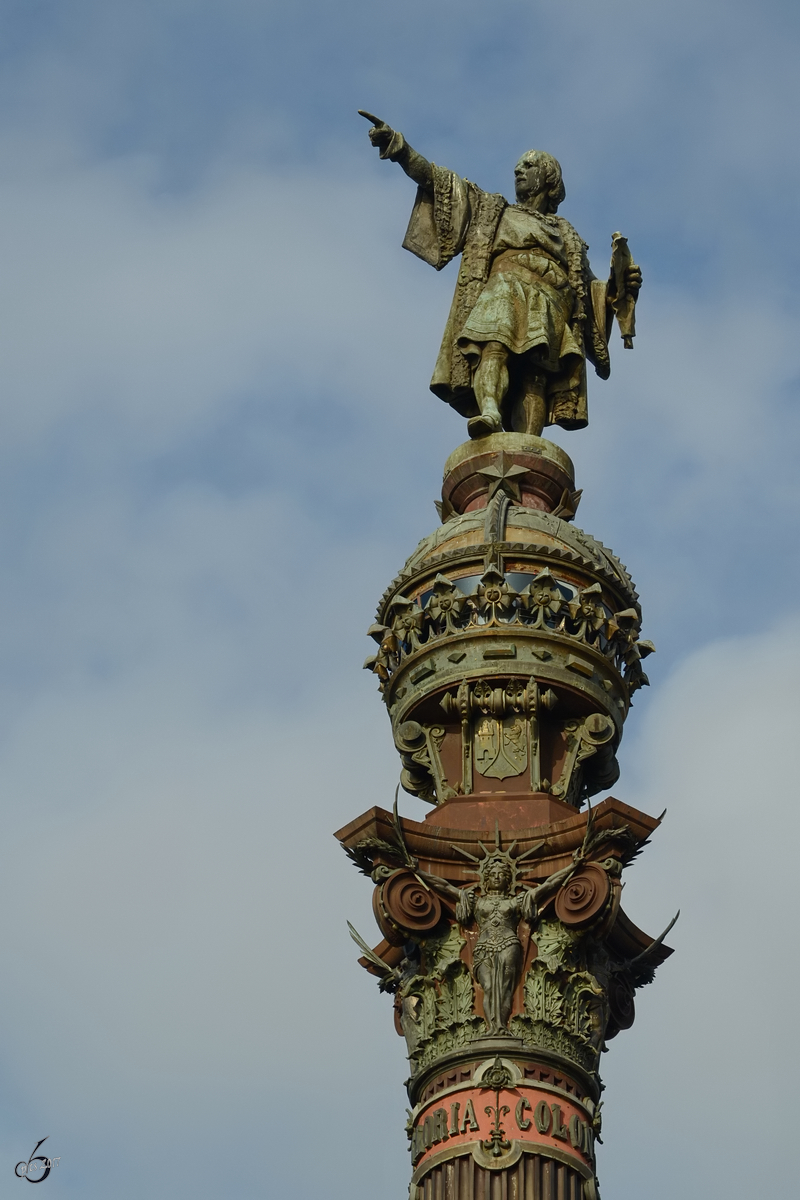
(482, 426)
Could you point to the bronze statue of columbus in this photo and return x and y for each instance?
(527, 311)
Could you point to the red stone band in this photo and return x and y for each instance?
(532, 1115)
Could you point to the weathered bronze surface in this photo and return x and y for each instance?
(509, 646)
(527, 311)
(508, 652)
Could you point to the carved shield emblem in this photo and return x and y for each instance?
(501, 746)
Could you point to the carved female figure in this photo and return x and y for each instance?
(497, 955)
(497, 911)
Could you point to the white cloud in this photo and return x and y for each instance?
(161, 926)
(701, 1091)
(160, 309)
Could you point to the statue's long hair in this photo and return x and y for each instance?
(555, 181)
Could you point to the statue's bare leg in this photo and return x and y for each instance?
(485, 972)
(490, 386)
(529, 414)
(509, 967)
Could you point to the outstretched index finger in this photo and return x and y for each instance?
(375, 120)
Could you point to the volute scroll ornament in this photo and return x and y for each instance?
(583, 897)
(405, 907)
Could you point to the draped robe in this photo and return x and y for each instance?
(515, 287)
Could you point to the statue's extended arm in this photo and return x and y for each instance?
(439, 884)
(392, 145)
(539, 894)
(550, 885)
(464, 897)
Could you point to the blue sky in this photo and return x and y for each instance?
(217, 447)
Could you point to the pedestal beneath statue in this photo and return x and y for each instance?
(508, 653)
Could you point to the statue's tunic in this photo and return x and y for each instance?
(524, 281)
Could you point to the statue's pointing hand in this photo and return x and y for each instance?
(380, 134)
(392, 145)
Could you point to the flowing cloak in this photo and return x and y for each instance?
(539, 296)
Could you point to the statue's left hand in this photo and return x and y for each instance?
(633, 280)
